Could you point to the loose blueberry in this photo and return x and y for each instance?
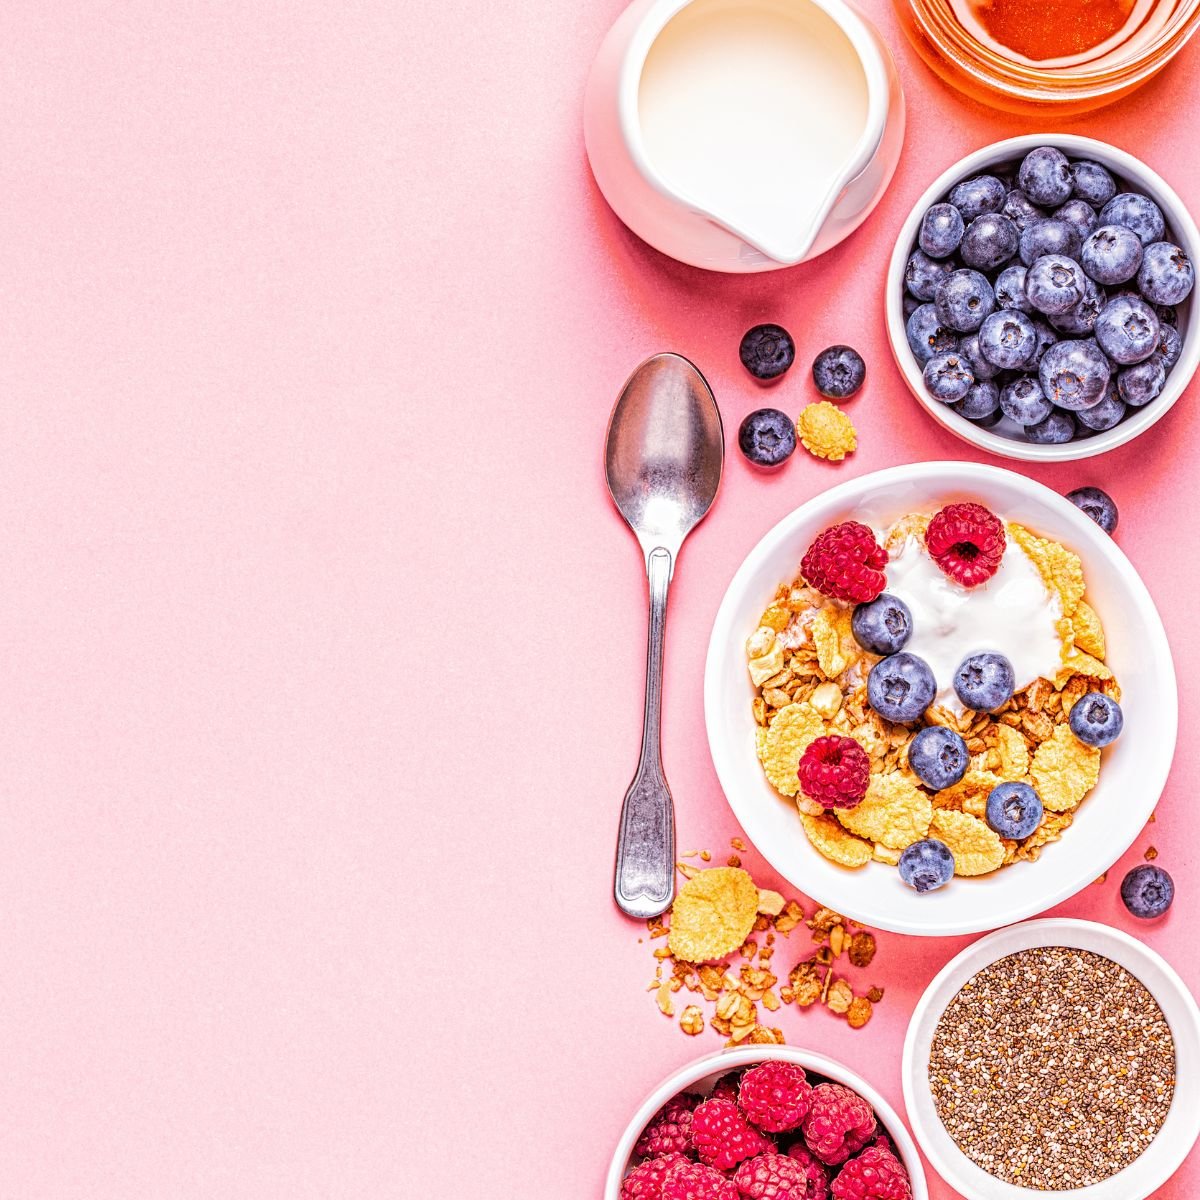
(1147, 891)
(922, 274)
(1079, 214)
(1135, 212)
(1010, 289)
(1106, 414)
(767, 351)
(901, 687)
(1074, 375)
(1143, 382)
(838, 372)
(989, 241)
(981, 402)
(1111, 255)
(927, 865)
(1093, 183)
(927, 335)
(1056, 430)
(948, 377)
(1008, 339)
(1020, 210)
(1127, 330)
(767, 437)
(1023, 401)
(1096, 719)
(938, 757)
(1049, 237)
(974, 197)
(941, 231)
(1170, 344)
(1014, 810)
(883, 625)
(971, 350)
(963, 299)
(1098, 505)
(1054, 284)
(1045, 176)
(984, 681)
(1167, 275)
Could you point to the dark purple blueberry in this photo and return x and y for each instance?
(1143, 382)
(1147, 891)
(1050, 236)
(970, 349)
(1045, 176)
(1106, 414)
(1135, 212)
(1170, 344)
(1013, 810)
(909, 305)
(1021, 210)
(1057, 429)
(926, 865)
(1023, 401)
(1008, 339)
(1079, 214)
(927, 335)
(882, 625)
(983, 400)
(1010, 289)
(947, 377)
(974, 197)
(923, 274)
(964, 298)
(989, 242)
(1167, 275)
(901, 687)
(1111, 255)
(1047, 337)
(1082, 318)
(941, 231)
(839, 371)
(1098, 505)
(767, 351)
(1127, 330)
(1074, 375)
(767, 437)
(1096, 719)
(1166, 314)
(985, 681)
(1054, 284)
(938, 757)
(1093, 183)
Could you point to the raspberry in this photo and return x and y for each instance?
(839, 1123)
(726, 1088)
(846, 563)
(814, 1171)
(694, 1181)
(772, 1177)
(834, 772)
(722, 1136)
(876, 1174)
(774, 1095)
(670, 1130)
(967, 542)
(645, 1181)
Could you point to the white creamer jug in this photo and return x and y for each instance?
(743, 135)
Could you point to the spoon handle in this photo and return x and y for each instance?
(646, 844)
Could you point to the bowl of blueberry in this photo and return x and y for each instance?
(1039, 299)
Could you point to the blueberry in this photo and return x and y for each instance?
(1112, 254)
(1135, 212)
(938, 757)
(922, 274)
(1082, 318)
(971, 350)
(1127, 330)
(927, 335)
(1008, 339)
(1023, 401)
(1170, 344)
(839, 371)
(1014, 810)
(1143, 382)
(1022, 211)
(767, 351)
(948, 377)
(1079, 214)
(989, 241)
(1010, 289)
(1093, 183)
(910, 304)
(1047, 337)
(963, 299)
(926, 866)
(1096, 719)
(1106, 414)
(984, 681)
(1056, 430)
(988, 422)
(767, 437)
(1167, 275)
(982, 401)
(883, 625)
(1074, 375)
(1098, 505)
(974, 197)
(1045, 176)
(941, 231)
(1147, 891)
(1049, 237)
(1054, 284)
(901, 687)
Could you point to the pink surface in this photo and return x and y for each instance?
(322, 647)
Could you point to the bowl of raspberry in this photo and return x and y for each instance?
(1039, 298)
(765, 1123)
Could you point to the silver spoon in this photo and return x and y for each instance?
(663, 463)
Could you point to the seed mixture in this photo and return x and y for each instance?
(1053, 1068)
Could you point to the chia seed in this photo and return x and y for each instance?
(1053, 1068)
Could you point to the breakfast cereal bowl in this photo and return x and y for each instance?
(1005, 439)
(1134, 768)
(1173, 1139)
(700, 1076)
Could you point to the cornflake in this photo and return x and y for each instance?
(836, 843)
(712, 914)
(783, 743)
(977, 849)
(893, 813)
(826, 432)
(1060, 568)
(1064, 770)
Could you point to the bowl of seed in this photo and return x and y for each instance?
(1055, 1058)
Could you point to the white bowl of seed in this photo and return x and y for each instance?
(1055, 1059)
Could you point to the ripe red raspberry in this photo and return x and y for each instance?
(846, 563)
(876, 1174)
(645, 1181)
(670, 1130)
(694, 1181)
(834, 771)
(814, 1171)
(772, 1177)
(722, 1136)
(839, 1123)
(726, 1087)
(967, 542)
(774, 1095)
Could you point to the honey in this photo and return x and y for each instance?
(1043, 30)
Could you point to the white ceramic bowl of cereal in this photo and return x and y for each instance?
(1179, 1131)
(1134, 768)
(700, 1075)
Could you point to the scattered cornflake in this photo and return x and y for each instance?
(691, 1020)
(713, 914)
(770, 904)
(859, 1012)
(826, 432)
(737, 844)
(1151, 853)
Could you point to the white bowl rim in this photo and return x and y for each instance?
(730, 1059)
(1144, 1175)
(1183, 227)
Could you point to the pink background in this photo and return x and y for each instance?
(321, 645)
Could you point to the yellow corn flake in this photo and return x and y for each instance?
(1089, 633)
(1060, 568)
(893, 813)
(1065, 628)
(835, 843)
(969, 794)
(1064, 770)
(1050, 830)
(826, 432)
(1014, 753)
(977, 849)
(781, 746)
(914, 525)
(1079, 662)
(713, 914)
(831, 637)
(777, 617)
(885, 854)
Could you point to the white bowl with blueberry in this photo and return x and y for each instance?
(1039, 299)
